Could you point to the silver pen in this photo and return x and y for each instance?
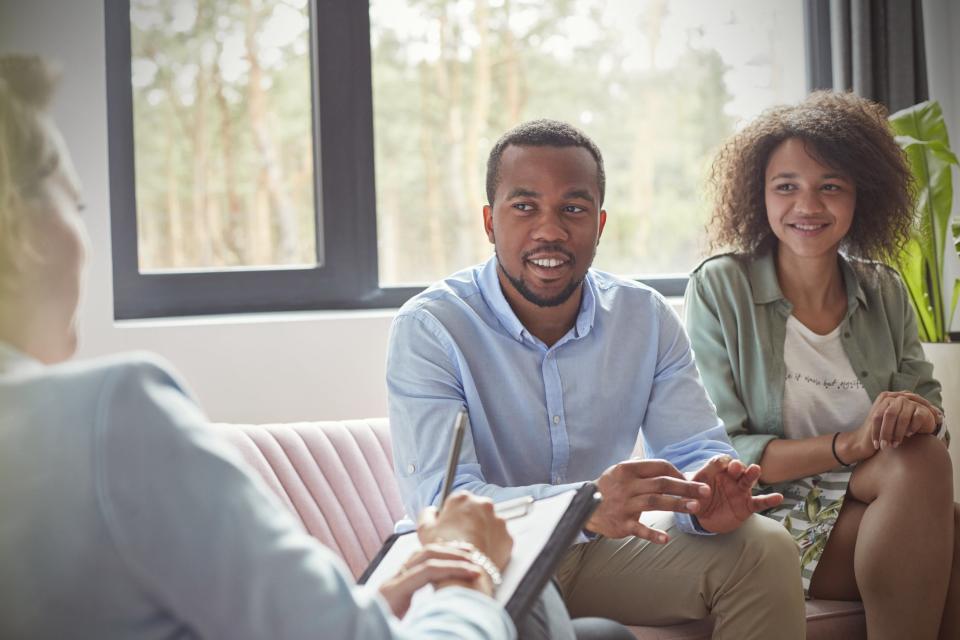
(459, 427)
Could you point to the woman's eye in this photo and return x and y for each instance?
(786, 186)
(831, 187)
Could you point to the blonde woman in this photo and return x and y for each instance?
(810, 351)
(121, 514)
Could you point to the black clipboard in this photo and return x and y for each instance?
(543, 568)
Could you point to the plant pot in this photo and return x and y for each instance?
(945, 357)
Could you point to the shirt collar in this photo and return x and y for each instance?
(489, 284)
(766, 287)
(14, 361)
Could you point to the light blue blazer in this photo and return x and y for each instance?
(122, 515)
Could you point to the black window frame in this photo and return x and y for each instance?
(341, 93)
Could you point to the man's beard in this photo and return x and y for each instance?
(532, 297)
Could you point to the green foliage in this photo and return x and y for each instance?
(922, 133)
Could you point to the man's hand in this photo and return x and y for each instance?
(631, 487)
(732, 500)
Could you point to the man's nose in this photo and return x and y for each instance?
(550, 227)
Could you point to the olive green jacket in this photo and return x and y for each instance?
(736, 316)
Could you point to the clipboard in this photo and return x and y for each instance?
(541, 538)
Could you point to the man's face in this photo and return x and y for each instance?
(545, 222)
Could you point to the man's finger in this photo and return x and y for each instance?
(766, 501)
(750, 477)
(736, 469)
(714, 466)
(671, 487)
(640, 530)
(658, 502)
(650, 469)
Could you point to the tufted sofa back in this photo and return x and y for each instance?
(337, 477)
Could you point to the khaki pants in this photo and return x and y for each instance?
(749, 580)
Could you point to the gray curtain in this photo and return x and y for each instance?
(877, 50)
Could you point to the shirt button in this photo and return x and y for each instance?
(864, 374)
(846, 334)
(556, 419)
(411, 468)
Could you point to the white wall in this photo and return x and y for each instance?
(301, 366)
(941, 25)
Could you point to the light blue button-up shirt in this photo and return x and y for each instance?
(542, 419)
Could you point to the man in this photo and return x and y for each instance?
(561, 368)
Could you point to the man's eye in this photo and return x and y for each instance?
(523, 206)
(570, 208)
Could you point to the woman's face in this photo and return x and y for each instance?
(51, 284)
(809, 205)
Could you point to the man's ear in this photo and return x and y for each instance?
(603, 222)
(488, 222)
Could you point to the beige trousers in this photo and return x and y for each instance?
(749, 580)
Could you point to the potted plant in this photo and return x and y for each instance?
(922, 133)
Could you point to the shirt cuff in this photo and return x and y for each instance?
(688, 524)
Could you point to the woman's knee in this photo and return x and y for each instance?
(921, 463)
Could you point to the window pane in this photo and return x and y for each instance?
(657, 84)
(223, 134)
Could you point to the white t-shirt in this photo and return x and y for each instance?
(821, 394)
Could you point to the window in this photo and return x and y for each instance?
(293, 154)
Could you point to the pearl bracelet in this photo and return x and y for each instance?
(482, 560)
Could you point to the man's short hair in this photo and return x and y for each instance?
(542, 133)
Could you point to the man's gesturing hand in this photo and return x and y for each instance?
(631, 487)
(731, 501)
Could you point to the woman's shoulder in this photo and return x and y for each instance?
(725, 269)
(877, 279)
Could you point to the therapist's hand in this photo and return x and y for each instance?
(471, 519)
(732, 500)
(436, 564)
(631, 487)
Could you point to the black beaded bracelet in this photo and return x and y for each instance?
(833, 447)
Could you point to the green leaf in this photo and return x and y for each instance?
(953, 302)
(922, 133)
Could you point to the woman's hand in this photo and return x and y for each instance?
(895, 415)
(433, 564)
(469, 519)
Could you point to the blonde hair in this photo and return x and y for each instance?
(28, 153)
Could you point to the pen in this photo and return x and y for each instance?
(458, 428)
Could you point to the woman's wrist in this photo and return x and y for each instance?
(849, 448)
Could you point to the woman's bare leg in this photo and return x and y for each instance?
(834, 578)
(950, 627)
(905, 545)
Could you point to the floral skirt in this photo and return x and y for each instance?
(809, 510)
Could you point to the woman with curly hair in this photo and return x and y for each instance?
(808, 346)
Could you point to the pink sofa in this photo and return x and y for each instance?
(337, 477)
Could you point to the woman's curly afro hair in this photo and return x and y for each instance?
(840, 130)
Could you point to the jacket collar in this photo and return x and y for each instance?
(766, 287)
(13, 361)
